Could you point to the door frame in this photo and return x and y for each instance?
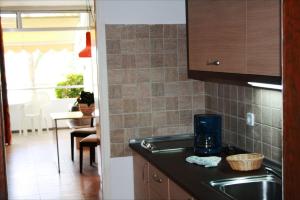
(3, 177)
(291, 99)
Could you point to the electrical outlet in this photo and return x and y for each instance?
(250, 119)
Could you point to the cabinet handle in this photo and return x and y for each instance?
(156, 178)
(215, 62)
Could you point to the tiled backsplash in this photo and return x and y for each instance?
(149, 93)
(233, 102)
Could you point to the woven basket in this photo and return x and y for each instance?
(85, 109)
(245, 162)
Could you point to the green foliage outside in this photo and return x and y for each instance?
(71, 79)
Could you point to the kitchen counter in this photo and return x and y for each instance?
(191, 177)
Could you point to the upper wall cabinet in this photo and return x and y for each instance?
(263, 37)
(234, 40)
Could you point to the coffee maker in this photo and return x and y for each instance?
(207, 134)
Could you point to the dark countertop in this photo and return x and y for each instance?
(191, 177)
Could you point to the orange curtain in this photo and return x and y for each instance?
(8, 133)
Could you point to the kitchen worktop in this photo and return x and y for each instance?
(191, 177)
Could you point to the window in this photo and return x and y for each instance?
(27, 21)
(9, 21)
(41, 49)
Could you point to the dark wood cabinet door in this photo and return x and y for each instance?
(177, 193)
(217, 32)
(158, 184)
(263, 37)
(141, 177)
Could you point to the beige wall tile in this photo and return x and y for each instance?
(129, 76)
(185, 102)
(115, 76)
(117, 136)
(157, 75)
(158, 89)
(143, 75)
(127, 150)
(113, 31)
(185, 117)
(172, 89)
(159, 119)
(128, 46)
(170, 31)
(172, 103)
(128, 61)
(114, 61)
(128, 32)
(158, 103)
(129, 105)
(181, 31)
(170, 45)
(143, 90)
(145, 132)
(144, 105)
(172, 117)
(142, 46)
(142, 60)
(113, 46)
(115, 106)
(157, 46)
(157, 60)
(265, 136)
(276, 118)
(182, 74)
(170, 60)
(117, 149)
(147, 75)
(115, 91)
(156, 31)
(185, 88)
(198, 87)
(116, 122)
(144, 119)
(130, 133)
(130, 120)
(129, 91)
(142, 31)
(171, 74)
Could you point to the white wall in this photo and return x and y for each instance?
(117, 173)
(121, 174)
(144, 12)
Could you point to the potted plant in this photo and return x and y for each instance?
(86, 103)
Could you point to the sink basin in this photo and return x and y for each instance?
(166, 144)
(265, 187)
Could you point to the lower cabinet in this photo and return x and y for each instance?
(177, 193)
(158, 184)
(141, 177)
(152, 184)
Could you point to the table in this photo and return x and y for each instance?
(64, 116)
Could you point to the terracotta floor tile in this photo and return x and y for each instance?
(32, 170)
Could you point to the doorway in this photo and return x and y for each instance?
(34, 67)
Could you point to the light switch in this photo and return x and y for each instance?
(250, 119)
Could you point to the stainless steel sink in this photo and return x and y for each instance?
(265, 187)
(167, 144)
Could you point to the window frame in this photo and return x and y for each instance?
(20, 28)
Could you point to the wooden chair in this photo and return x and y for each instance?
(90, 141)
(81, 132)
